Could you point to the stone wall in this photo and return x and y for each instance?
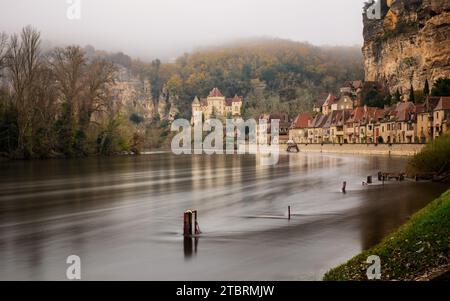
(362, 149)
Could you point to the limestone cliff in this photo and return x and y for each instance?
(409, 44)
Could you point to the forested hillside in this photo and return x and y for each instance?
(288, 74)
(76, 101)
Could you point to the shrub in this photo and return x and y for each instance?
(434, 157)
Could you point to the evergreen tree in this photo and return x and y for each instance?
(397, 96)
(441, 87)
(426, 89)
(411, 94)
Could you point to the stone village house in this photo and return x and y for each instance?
(403, 122)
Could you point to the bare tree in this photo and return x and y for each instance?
(99, 79)
(23, 62)
(69, 66)
(46, 110)
(84, 88)
(3, 50)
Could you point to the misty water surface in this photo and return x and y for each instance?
(123, 215)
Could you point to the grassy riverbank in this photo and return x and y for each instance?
(419, 247)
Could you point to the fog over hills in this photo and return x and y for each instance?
(168, 28)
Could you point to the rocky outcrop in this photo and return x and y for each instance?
(408, 44)
(135, 96)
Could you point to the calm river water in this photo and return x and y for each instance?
(123, 215)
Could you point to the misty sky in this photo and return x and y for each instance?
(167, 28)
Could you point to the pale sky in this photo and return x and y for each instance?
(167, 28)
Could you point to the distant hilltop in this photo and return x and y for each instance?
(409, 44)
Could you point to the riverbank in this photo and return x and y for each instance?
(417, 251)
(361, 149)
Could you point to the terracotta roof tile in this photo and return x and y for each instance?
(330, 100)
(301, 121)
(443, 104)
(215, 93)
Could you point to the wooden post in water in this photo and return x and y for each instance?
(344, 186)
(196, 226)
(187, 216)
(190, 223)
(289, 212)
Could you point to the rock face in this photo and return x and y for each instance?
(409, 44)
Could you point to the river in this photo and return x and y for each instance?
(123, 215)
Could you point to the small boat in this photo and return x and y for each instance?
(292, 146)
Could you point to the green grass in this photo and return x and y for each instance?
(419, 246)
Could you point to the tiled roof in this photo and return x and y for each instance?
(420, 108)
(404, 110)
(229, 101)
(357, 84)
(337, 118)
(215, 93)
(443, 104)
(431, 102)
(357, 115)
(301, 121)
(282, 117)
(319, 121)
(237, 98)
(330, 100)
(329, 120)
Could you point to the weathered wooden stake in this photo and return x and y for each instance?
(190, 224)
(344, 186)
(187, 223)
(289, 212)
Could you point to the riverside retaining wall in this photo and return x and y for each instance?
(362, 149)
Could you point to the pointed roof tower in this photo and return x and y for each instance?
(196, 101)
(215, 93)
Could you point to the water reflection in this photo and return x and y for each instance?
(382, 214)
(122, 214)
(190, 245)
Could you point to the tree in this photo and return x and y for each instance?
(3, 50)
(155, 81)
(136, 119)
(397, 96)
(98, 80)
(426, 89)
(412, 97)
(69, 66)
(23, 64)
(375, 95)
(441, 87)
